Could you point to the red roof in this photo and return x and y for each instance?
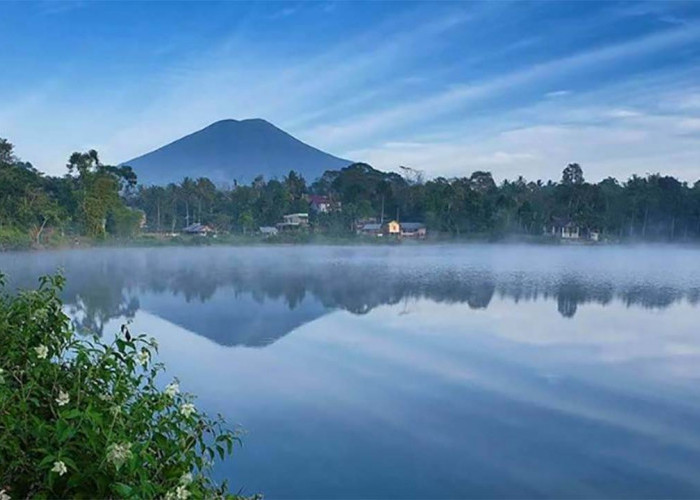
(318, 199)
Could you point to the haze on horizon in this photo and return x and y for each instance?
(514, 88)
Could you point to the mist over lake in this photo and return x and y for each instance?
(414, 371)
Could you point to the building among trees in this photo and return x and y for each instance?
(413, 230)
(96, 201)
(199, 229)
(293, 222)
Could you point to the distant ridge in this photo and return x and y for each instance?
(230, 150)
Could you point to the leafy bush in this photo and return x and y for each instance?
(14, 239)
(81, 418)
(123, 221)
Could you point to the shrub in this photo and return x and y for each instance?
(124, 222)
(81, 418)
(14, 239)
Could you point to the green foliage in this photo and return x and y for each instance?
(83, 419)
(572, 175)
(98, 193)
(25, 203)
(6, 152)
(83, 201)
(96, 200)
(12, 238)
(123, 221)
(647, 208)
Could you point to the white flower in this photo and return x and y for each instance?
(187, 409)
(106, 397)
(59, 468)
(143, 358)
(42, 351)
(118, 453)
(180, 493)
(40, 315)
(115, 410)
(4, 495)
(172, 389)
(186, 478)
(63, 398)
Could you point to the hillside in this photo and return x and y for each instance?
(231, 150)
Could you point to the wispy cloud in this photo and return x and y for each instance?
(640, 132)
(285, 12)
(447, 88)
(623, 113)
(662, 11)
(50, 8)
(457, 98)
(558, 93)
(285, 91)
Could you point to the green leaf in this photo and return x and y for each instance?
(69, 462)
(123, 490)
(71, 414)
(66, 433)
(47, 460)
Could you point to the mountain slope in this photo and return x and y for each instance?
(232, 149)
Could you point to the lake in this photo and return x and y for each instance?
(415, 371)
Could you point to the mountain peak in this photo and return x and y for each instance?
(255, 120)
(229, 150)
(222, 122)
(245, 121)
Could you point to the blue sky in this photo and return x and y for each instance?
(448, 88)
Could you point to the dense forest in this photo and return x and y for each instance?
(90, 200)
(99, 201)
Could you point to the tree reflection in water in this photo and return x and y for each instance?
(106, 284)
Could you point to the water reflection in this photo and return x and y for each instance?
(267, 292)
(421, 372)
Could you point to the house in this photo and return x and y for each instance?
(368, 226)
(413, 230)
(268, 231)
(322, 204)
(301, 218)
(563, 228)
(142, 217)
(370, 229)
(392, 228)
(198, 229)
(293, 222)
(568, 230)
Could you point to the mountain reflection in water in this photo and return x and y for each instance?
(419, 371)
(254, 296)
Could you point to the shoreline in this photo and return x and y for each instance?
(310, 240)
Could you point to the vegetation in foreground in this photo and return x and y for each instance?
(94, 202)
(83, 419)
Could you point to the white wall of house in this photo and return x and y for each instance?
(570, 233)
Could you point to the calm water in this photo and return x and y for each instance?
(418, 371)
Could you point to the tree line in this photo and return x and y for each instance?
(90, 200)
(99, 200)
(652, 208)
